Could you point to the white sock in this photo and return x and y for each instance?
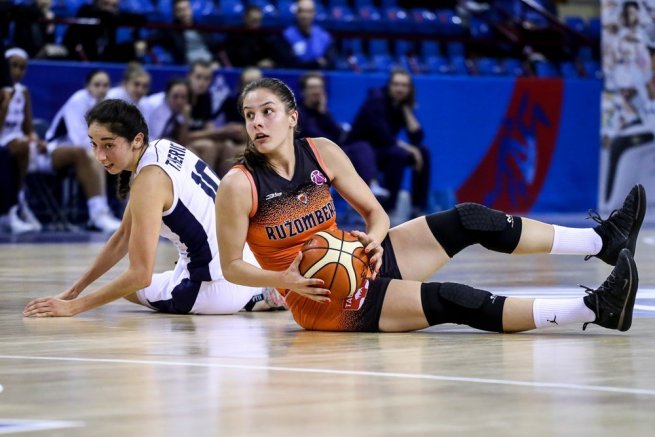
(97, 205)
(576, 241)
(559, 312)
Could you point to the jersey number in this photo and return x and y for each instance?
(205, 178)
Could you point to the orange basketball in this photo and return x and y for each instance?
(338, 259)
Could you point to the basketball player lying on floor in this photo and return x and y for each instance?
(279, 197)
(172, 195)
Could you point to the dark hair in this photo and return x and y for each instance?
(89, 76)
(310, 75)
(251, 158)
(411, 98)
(199, 63)
(125, 120)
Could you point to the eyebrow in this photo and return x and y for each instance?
(263, 104)
(106, 138)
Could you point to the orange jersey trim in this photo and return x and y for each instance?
(253, 189)
(310, 141)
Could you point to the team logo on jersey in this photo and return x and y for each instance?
(303, 198)
(318, 178)
(355, 302)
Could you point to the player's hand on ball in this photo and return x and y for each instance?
(373, 249)
(311, 288)
(49, 307)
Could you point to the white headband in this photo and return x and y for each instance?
(16, 51)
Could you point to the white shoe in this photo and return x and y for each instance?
(29, 217)
(105, 221)
(268, 300)
(16, 225)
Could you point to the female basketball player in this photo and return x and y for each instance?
(280, 196)
(172, 195)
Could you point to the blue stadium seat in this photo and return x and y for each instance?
(593, 69)
(513, 67)
(379, 57)
(455, 49)
(459, 65)
(341, 18)
(370, 18)
(480, 29)
(425, 21)
(285, 11)
(569, 70)
(489, 67)
(546, 69)
(576, 23)
(397, 19)
(594, 28)
(437, 64)
(138, 6)
(449, 23)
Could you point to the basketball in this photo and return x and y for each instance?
(338, 259)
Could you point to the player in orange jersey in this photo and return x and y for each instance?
(279, 196)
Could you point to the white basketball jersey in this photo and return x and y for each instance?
(190, 223)
(13, 126)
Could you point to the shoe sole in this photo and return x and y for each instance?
(625, 319)
(641, 212)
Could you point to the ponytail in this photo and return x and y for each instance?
(123, 184)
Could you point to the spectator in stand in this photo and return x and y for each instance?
(135, 85)
(216, 145)
(185, 44)
(99, 42)
(386, 112)
(228, 112)
(315, 120)
(168, 113)
(229, 118)
(252, 47)
(34, 35)
(68, 144)
(312, 46)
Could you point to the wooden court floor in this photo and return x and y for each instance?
(124, 371)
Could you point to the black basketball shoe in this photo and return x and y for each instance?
(621, 228)
(614, 300)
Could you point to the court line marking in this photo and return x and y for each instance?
(13, 426)
(543, 385)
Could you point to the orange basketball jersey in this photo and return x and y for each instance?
(286, 213)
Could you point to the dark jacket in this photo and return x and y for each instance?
(379, 122)
(29, 33)
(315, 124)
(98, 42)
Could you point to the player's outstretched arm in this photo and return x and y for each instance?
(151, 193)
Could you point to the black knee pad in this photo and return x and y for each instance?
(470, 223)
(456, 303)
(476, 217)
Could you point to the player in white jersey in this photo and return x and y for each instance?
(172, 195)
(19, 137)
(68, 130)
(15, 137)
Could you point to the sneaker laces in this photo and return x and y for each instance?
(595, 216)
(608, 284)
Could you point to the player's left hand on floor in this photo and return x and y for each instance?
(48, 307)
